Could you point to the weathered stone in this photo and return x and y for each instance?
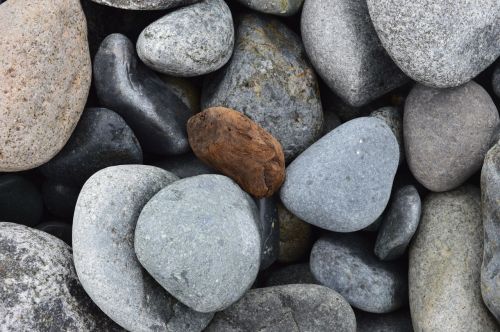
(275, 7)
(45, 75)
(239, 148)
(145, 4)
(445, 262)
(20, 200)
(287, 308)
(295, 236)
(447, 133)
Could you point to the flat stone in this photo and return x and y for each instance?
(129, 88)
(346, 263)
(343, 181)
(20, 200)
(103, 243)
(274, 7)
(442, 127)
(393, 117)
(59, 199)
(191, 41)
(61, 230)
(490, 198)
(398, 321)
(239, 148)
(145, 4)
(199, 238)
(295, 236)
(346, 51)
(45, 79)
(269, 231)
(399, 224)
(39, 287)
(443, 45)
(445, 262)
(287, 308)
(185, 165)
(101, 139)
(270, 80)
(291, 274)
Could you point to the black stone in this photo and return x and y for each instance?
(270, 231)
(60, 199)
(157, 116)
(20, 200)
(59, 229)
(101, 139)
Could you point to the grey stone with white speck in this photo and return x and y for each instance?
(103, 232)
(199, 238)
(145, 4)
(346, 263)
(287, 308)
(275, 7)
(270, 80)
(442, 44)
(394, 119)
(398, 321)
(345, 50)
(447, 133)
(399, 224)
(39, 289)
(191, 41)
(445, 263)
(343, 181)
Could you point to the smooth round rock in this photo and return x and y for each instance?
(199, 238)
(20, 200)
(442, 44)
(185, 165)
(60, 230)
(274, 7)
(346, 52)
(399, 224)
(291, 274)
(103, 243)
(393, 117)
(287, 308)
(59, 198)
(398, 321)
(270, 80)
(45, 79)
(269, 231)
(295, 236)
(156, 114)
(101, 139)
(343, 181)
(490, 198)
(39, 287)
(145, 4)
(191, 41)
(445, 262)
(346, 263)
(447, 133)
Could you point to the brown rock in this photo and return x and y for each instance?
(239, 148)
(45, 77)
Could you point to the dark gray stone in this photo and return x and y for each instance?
(343, 181)
(345, 50)
(291, 274)
(103, 243)
(185, 165)
(39, 289)
(269, 231)
(447, 133)
(191, 41)
(393, 117)
(270, 80)
(61, 230)
(101, 139)
(59, 198)
(399, 321)
(399, 224)
(287, 308)
(445, 265)
(275, 7)
(346, 263)
(442, 44)
(490, 197)
(20, 200)
(145, 4)
(156, 115)
(199, 238)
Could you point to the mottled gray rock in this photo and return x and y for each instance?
(447, 133)
(191, 41)
(103, 232)
(185, 165)
(291, 274)
(490, 197)
(287, 308)
(145, 4)
(346, 263)
(269, 230)
(343, 181)
(270, 80)
(39, 289)
(399, 224)
(295, 236)
(441, 45)
(275, 7)
(393, 117)
(199, 238)
(445, 261)
(399, 321)
(346, 51)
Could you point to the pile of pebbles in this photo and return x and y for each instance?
(249, 165)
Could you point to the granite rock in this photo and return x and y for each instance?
(274, 7)
(145, 4)
(20, 200)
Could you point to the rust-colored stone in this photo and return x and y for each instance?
(239, 148)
